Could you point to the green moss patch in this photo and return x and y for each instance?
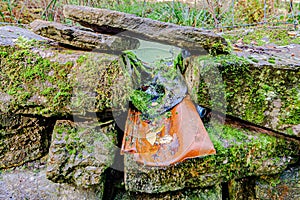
(36, 85)
(263, 95)
(240, 153)
(32, 81)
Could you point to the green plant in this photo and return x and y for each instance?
(179, 13)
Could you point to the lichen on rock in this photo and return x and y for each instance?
(80, 152)
(23, 138)
(240, 153)
(40, 85)
(262, 94)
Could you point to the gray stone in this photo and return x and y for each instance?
(8, 35)
(211, 193)
(107, 21)
(240, 153)
(285, 185)
(23, 138)
(282, 186)
(32, 184)
(82, 38)
(80, 152)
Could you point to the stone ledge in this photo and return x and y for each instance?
(240, 153)
(81, 38)
(113, 22)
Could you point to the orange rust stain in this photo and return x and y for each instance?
(167, 140)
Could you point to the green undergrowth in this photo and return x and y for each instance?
(173, 12)
(264, 35)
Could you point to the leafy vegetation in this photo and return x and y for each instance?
(263, 35)
(207, 14)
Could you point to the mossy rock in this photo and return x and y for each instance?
(42, 81)
(285, 185)
(210, 193)
(80, 152)
(23, 138)
(240, 153)
(281, 186)
(266, 95)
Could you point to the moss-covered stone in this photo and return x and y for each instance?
(80, 152)
(285, 185)
(264, 95)
(34, 84)
(281, 186)
(23, 138)
(240, 153)
(210, 193)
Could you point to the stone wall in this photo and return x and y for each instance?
(57, 102)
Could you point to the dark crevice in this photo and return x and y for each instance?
(114, 181)
(71, 47)
(240, 123)
(225, 191)
(114, 178)
(120, 120)
(102, 29)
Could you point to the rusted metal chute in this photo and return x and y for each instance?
(166, 128)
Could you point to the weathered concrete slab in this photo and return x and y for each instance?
(107, 21)
(82, 38)
(240, 153)
(80, 152)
